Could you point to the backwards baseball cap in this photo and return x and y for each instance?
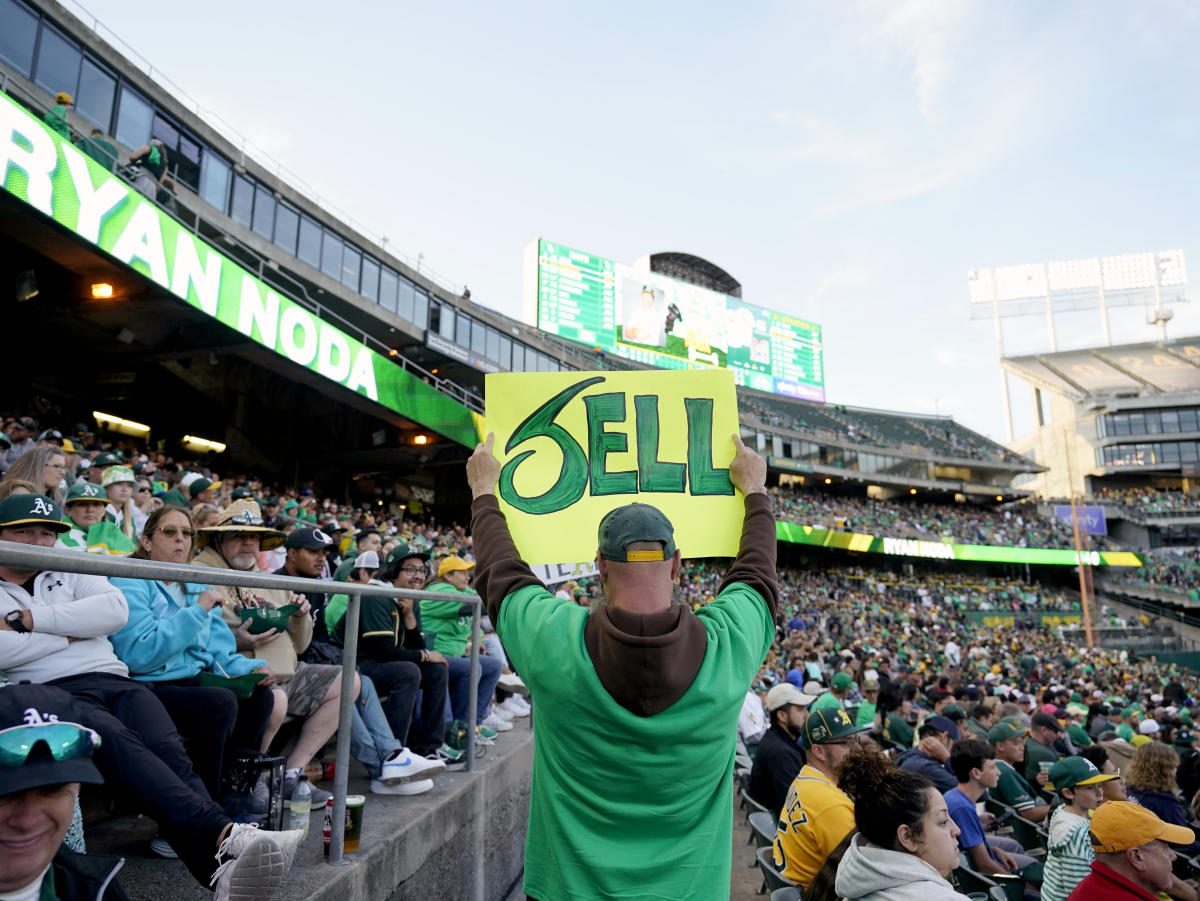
(1041, 718)
(1148, 727)
(786, 693)
(1072, 771)
(842, 682)
(826, 725)
(1120, 825)
(31, 509)
(308, 539)
(1009, 727)
(203, 484)
(453, 564)
(632, 523)
(367, 560)
(41, 740)
(239, 493)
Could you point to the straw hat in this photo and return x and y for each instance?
(245, 517)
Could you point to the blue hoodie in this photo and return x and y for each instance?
(164, 641)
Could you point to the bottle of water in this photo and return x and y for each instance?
(299, 806)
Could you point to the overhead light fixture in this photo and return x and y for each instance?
(912, 490)
(204, 445)
(392, 352)
(420, 439)
(117, 424)
(999, 497)
(829, 481)
(101, 290)
(433, 371)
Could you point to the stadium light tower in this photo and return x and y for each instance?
(1073, 285)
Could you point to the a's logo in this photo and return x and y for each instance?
(843, 719)
(42, 506)
(33, 718)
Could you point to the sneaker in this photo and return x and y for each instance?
(453, 759)
(512, 682)
(491, 721)
(516, 705)
(162, 848)
(319, 795)
(484, 740)
(498, 710)
(252, 862)
(404, 766)
(415, 787)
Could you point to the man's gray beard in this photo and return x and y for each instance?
(253, 561)
(677, 599)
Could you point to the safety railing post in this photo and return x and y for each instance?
(473, 688)
(341, 768)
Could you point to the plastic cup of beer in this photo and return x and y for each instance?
(354, 821)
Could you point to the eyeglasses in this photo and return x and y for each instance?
(175, 531)
(66, 741)
(61, 467)
(413, 570)
(142, 489)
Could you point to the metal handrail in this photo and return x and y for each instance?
(41, 559)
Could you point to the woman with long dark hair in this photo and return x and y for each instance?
(906, 843)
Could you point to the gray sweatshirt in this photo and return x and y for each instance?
(65, 606)
(871, 873)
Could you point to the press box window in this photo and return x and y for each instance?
(97, 89)
(309, 247)
(264, 211)
(214, 180)
(58, 63)
(18, 34)
(287, 223)
(331, 255)
(370, 279)
(388, 284)
(242, 206)
(134, 117)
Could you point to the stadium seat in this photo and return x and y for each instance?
(762, 828)
(788, 893)
(1032, 837)
(772, 878)
(751, 805)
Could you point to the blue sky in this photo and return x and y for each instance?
(847, 162)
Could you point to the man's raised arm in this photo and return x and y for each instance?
(499, 569)
(755, 562)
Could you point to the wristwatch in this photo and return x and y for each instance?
(16, 621)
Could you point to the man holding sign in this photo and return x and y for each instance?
(636, 702)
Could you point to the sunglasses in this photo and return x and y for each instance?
(66, 741)
(175, 531)
(244, 518)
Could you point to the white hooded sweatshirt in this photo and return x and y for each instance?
(870, 873)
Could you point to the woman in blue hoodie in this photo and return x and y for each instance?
(175, 633)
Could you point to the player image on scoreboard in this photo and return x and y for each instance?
(643, 313)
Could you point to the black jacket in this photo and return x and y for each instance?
(86, 877)
(776, 763)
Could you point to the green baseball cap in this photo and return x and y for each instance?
(1184, 738)
(1009, 727)
(240, 493)
(1072, 771)
(31, 509)
(402, 552)
(86, 491)
(631, 523)
(826, 725)
(842, 682)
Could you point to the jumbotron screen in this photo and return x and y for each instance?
(663, 322)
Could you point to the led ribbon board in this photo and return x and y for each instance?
(42, 169)
(940, 550)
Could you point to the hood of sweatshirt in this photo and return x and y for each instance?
(869, 873)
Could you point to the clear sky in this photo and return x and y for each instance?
(847, 162)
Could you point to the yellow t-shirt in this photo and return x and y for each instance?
(815, 817)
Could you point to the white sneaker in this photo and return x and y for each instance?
(494, 722)
(511, 682)
(500, 711)
(415, 787)
(405, 766)
(511, 708)
(519, 703)
(162, 848)
(253, 862)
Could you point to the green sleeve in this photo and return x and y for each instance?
(825, 701)
(335, 612)
(865, 715)
(1013, 790)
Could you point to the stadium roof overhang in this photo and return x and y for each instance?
(1151, 369)
(147, 356)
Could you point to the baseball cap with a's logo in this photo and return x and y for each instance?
(827, 724)
(31, 509)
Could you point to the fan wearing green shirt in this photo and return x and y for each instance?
(865, 715)
(836, 696)
(1007, 738)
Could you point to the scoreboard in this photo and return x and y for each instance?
(670, 324)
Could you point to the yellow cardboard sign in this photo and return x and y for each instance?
(574, 445)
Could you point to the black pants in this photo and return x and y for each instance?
(141, 755)
(430, 728)
(215, 723)
(397, 683)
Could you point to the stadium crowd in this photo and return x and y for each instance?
(1010, 526)
(1142, 500)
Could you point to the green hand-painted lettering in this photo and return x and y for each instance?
(602, 408)
(573, 477)
(654, 474)
(702, 478)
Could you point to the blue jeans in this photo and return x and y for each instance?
(489, 675)
(491, 644)
(371, 738)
